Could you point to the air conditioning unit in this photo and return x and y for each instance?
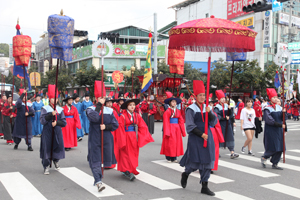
(285, 30)
(294, 30)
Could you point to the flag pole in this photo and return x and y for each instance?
(283, 115)
(25, 104)
(102, 90)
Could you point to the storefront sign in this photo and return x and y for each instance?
(235, 8)
(284, 19)
(267, 29)
(295, 58)
(248, 22)
(83, 52)
(294, 45)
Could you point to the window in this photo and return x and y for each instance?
(73, 67)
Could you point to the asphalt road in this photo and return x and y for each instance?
(21, 174)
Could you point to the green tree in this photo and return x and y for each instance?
(86, 76)
(9, 80)
(4, 48)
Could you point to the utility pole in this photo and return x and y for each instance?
(155, 43)
(290, 40)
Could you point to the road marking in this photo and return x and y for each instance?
(294, 192)
(19, 187)
(213, 178)
(167, 198)
(284, 165)
(86, 181)
(245, 169)
(295, 150)
(288, 157)
(227, 195)
(156, 182)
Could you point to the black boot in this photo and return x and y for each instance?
(16, 146)
(184, 177)
(206, 190)
(30, 148)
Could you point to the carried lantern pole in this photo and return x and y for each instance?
(61, 33)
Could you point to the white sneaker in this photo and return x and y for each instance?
(243, 149)
(56, 165)
(175, 161)
(251, 153)
(169, 161)
(46, 171)
(100, 187)
(79, 139)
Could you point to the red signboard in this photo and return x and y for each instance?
(235, 8)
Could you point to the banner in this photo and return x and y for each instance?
(235, 8)
(147, 81)
(267, 38)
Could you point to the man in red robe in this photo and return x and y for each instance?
(241, 106)
(295, 109)
(132, 134)
(73, 122)
(257, 108)
(149, 109)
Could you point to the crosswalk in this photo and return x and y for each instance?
(27, 189)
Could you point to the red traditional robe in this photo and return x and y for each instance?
(69, 131)
(240, 108)
(218, 138)
(128, 144)
(288, 108)
(183, 103)
(257, 109)
(295, 108)
(173, 132)
(145, 108)
(117, 107)
(1, 120)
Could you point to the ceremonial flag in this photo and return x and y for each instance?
(298, 80)
(147, 81)
(291, 84)
(276, 80)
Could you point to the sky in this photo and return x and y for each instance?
(94, 16)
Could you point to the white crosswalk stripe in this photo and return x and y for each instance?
(288, 157)
(19, 188)
(213, 178)
(294, 150)
(155, 181)
(86, 181)
(167, 198)
(294, 192)
(283, 165)
(227, 195)
(245, 169)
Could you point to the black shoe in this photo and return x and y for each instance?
(263, 162)
(131, 176)
(275, 166)
(86, 134)
(67, 149)
(30, 148)
(206, 190)
(184, 177)
(16, 146)
(211, 172)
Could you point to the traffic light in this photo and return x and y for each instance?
(260, 6)
(80, 33)
(281, 1)
(108, 35)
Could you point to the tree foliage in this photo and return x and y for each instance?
(86, 76)
(4, 48)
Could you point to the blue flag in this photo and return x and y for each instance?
(19, 71)
(276, 81)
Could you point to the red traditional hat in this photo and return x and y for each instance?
(271, 92)
(116, 95)
(21, 91)
(126, 94)
(169, 94)
(51, 93)
(220, 94)
(210, 95)
(198, 87)
(170, 98)
(111, 93)
(181, 95)
(98, 89)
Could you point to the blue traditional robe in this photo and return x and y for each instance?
(196, 156)
(229, 139)
(20, 122)
(85, 120)
(80, 111)
(94, 141)
(37, 127)
(46, 138)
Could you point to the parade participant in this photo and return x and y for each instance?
(94, 114)
(132, 134)
(73, 122)
(47, 115)
(2, 102)
(198, 156)
(19, 130)
(85, 121)
(9, 113)
(37, 127)
(173, 130)
(241, 106)
(79, 107)
(119, 102)
(264, 104)
(288, 108)
(183, 106)
(149, 109)
(257, 107)
(218, 138)
(273, 133)
(295, 109)
(216, 102)
(46, 100)
(248, 125)
(224, 112)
